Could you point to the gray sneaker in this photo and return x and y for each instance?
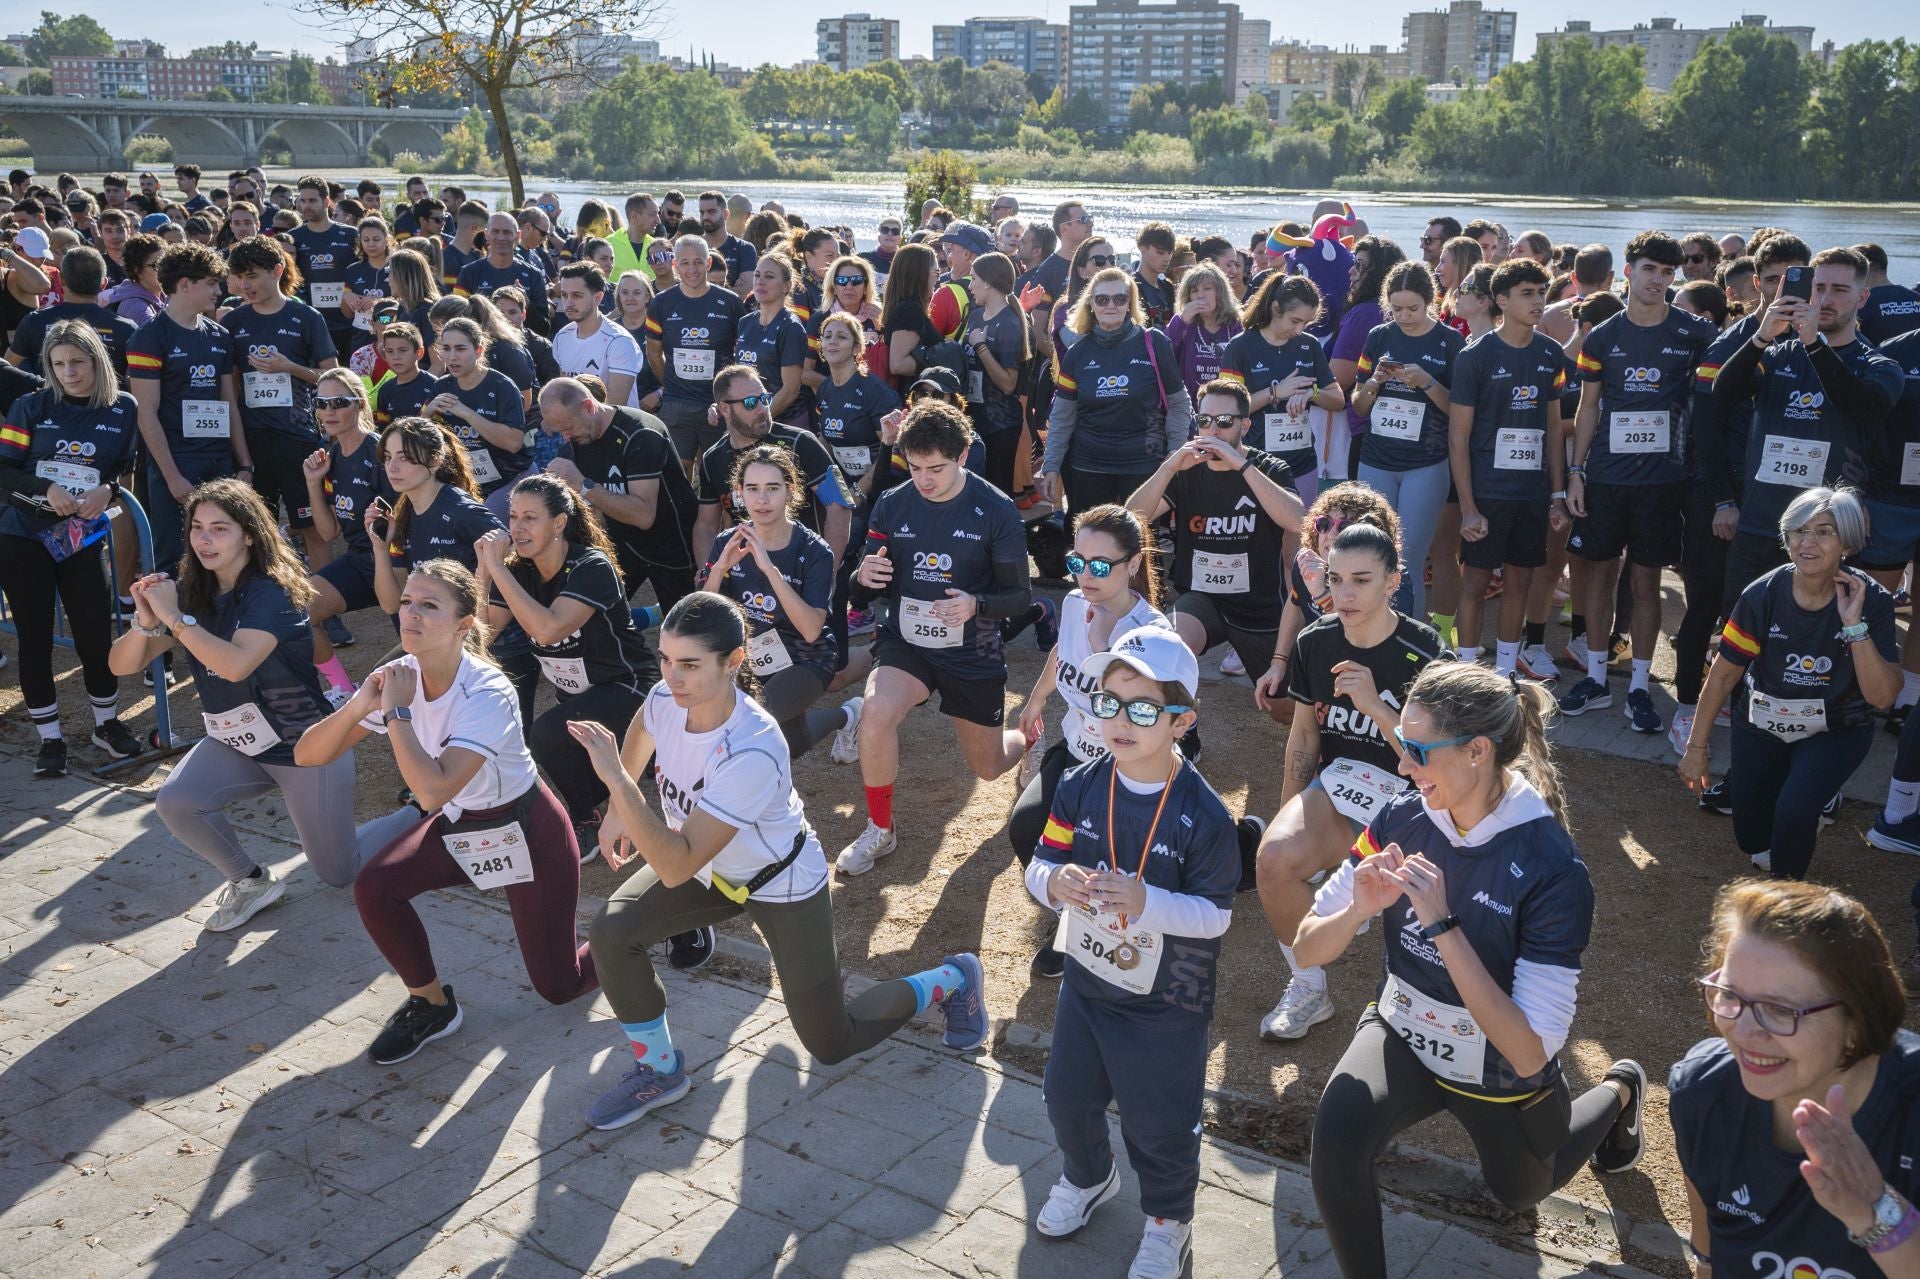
(243, 899)
(1300, 1009)
(642, 1089)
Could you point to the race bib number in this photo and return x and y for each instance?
(1359, 791)
(363, 320)
(497, 857)
(768, 653)
(977, 387)
(482, 463)
(1221, 574)
(244, 728)
(1518, 449)
(71, 476)
(694, 366)
(854, 459)
(1910, 467)
(1793, 462)
(1083, 737)
(268, 390)
(204, 420)
(1640, 432)
(1397, 419)
(327, 297)
(1444, 1036)
(1786, 717)
(568, 674)
(1287, 433)
(1127, 958)
(919, 626)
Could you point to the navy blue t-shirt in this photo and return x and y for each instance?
(806, 564)
(768, 349)
(496, 399)
(285, 687)
(296, 331)
(1118, 404)
(696, 337)
(449, 527)
(1646, 374)
(396, 399)
(1791, 653)
(58, 440)
(323, 258)
(1258, 364)
(1407, 429)
(848, 415)
(1889, 311)
(353, 481)
(1895, 474)
(188, 364)
(483, 277)
(1512, 390)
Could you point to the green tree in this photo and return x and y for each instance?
(75, 37)
(231, 49)
(11, 57)
(38, 84)
(768, 94)
(1222, 134)
(1865, 121)
(1396, 110)
(945, 176)
(1590, 110)
(303, 82)
(1741, 104)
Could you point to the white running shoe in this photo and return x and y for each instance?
(1681, 729)
(1165, 1247)
(242, 900)
(846, 741)
(338, 697)
(1300, 1009)
(858, 857)
(1536, 663)
(1068, 1207)
(1231, 663)
(1763, 862)
(1029, 766)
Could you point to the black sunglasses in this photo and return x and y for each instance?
(844, 280)
(1100, 259)
(751, 402)
(335, 402)
(1098, 565)
(1212, 420)
(1693, 257)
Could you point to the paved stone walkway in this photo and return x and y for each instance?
(181, 1103)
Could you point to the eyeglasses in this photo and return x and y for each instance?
(1107, 300)
(1141, 711)
(1098, 565)
(1422, 752)
(1775, 1019)
(751, 402)
(889, 230)
(1693, 257)
(844, 280)
(335, 402)
(1433, 239)
(1216, 420)
(1099, 259)
(1086, 218)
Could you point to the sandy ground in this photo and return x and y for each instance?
(954, 885)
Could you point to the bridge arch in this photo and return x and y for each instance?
(63, 142)
(421, 137)
(205, 141)
(317, 142)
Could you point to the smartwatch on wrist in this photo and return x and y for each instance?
(402, 713)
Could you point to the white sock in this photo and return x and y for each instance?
(1506, 657)
(1903, 800)
(1466, 654)
(104, 709)
(1311, 975)
(1642, 672)
(1597, 667)
(1909, 689)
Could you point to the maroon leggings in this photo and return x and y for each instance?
(559, 965)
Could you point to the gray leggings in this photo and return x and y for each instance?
(1417, 496)
(319, 800)
(789, 697)
(643, 912)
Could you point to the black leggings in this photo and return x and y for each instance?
(1703, 571)
(30, 578)
(1088, 489)
(1779, 788)
(1029, 816)
(563, 761)
(1003, 452)
(789, 697)
(1528, 1149)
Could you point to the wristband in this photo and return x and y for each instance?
(1899, 1234)
(1695, 1255)
(1855, 633)
(1446, 925)
(1576, 468)
(1561, 496)
(1724, 506)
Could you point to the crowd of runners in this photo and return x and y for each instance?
(838, 470)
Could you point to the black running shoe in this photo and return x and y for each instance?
(1830, 811)
(587, 835)
(1250, 830)
(113, 738)
(1046, 631)
(337, 633)
(688, 951)
(417, 1024)
(1896, 720)
(1048, 962)
(52, 761)
(1190, 745)
(1718, 799)
(1621, 1148)
(166, 664)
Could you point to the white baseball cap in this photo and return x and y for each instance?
(32, 243)
(1156, 652)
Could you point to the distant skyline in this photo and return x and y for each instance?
(750, 32)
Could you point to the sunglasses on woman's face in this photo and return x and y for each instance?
(1099, 259)
(1098, 566)
(1421, 753)
(1140, 711)
(845, 280)
(1109, 300)
(335, 402)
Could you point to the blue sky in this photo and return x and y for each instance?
(749, 32)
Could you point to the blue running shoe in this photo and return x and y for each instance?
(1587, 695)
(1902, 836)
(965, 1010)
(1640, 713)
(642, 1089)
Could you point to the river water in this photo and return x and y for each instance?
(1237, 213)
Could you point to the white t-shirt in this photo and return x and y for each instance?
(479, 713)
(610, 350)
(741, 774)
(1072, 650)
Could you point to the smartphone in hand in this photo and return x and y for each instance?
(1797, 283)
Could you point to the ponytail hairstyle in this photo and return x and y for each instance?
(1407, 277)
(855, 332)
(464, 587)
(1129, 532)
(719, 626)
(1470, 700)
(438, 449)
(1362, 536)
(583, 523)
(1275, 295)
(781, 459)
(471, 331)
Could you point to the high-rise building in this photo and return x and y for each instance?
(1465, 36)
(1290, 62)
(856, 40)
(1668, 46)
(1034, 45)
(179, 78)
(1117, 46)
(1250, 62)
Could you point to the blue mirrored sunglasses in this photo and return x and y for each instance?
(1078, 564)
(1421, 752)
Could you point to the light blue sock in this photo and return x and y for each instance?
(935, 985)
(646, 617)
(652, 1045)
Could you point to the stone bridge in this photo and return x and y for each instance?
(90, 135)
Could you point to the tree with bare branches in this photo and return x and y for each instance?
(498, 45)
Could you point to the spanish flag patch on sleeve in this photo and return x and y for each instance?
(1733, 637)
(1057, 835)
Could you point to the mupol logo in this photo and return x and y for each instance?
(1492, 905)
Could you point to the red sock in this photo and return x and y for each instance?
(880, 806)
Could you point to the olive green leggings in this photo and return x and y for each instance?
(643, 912)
